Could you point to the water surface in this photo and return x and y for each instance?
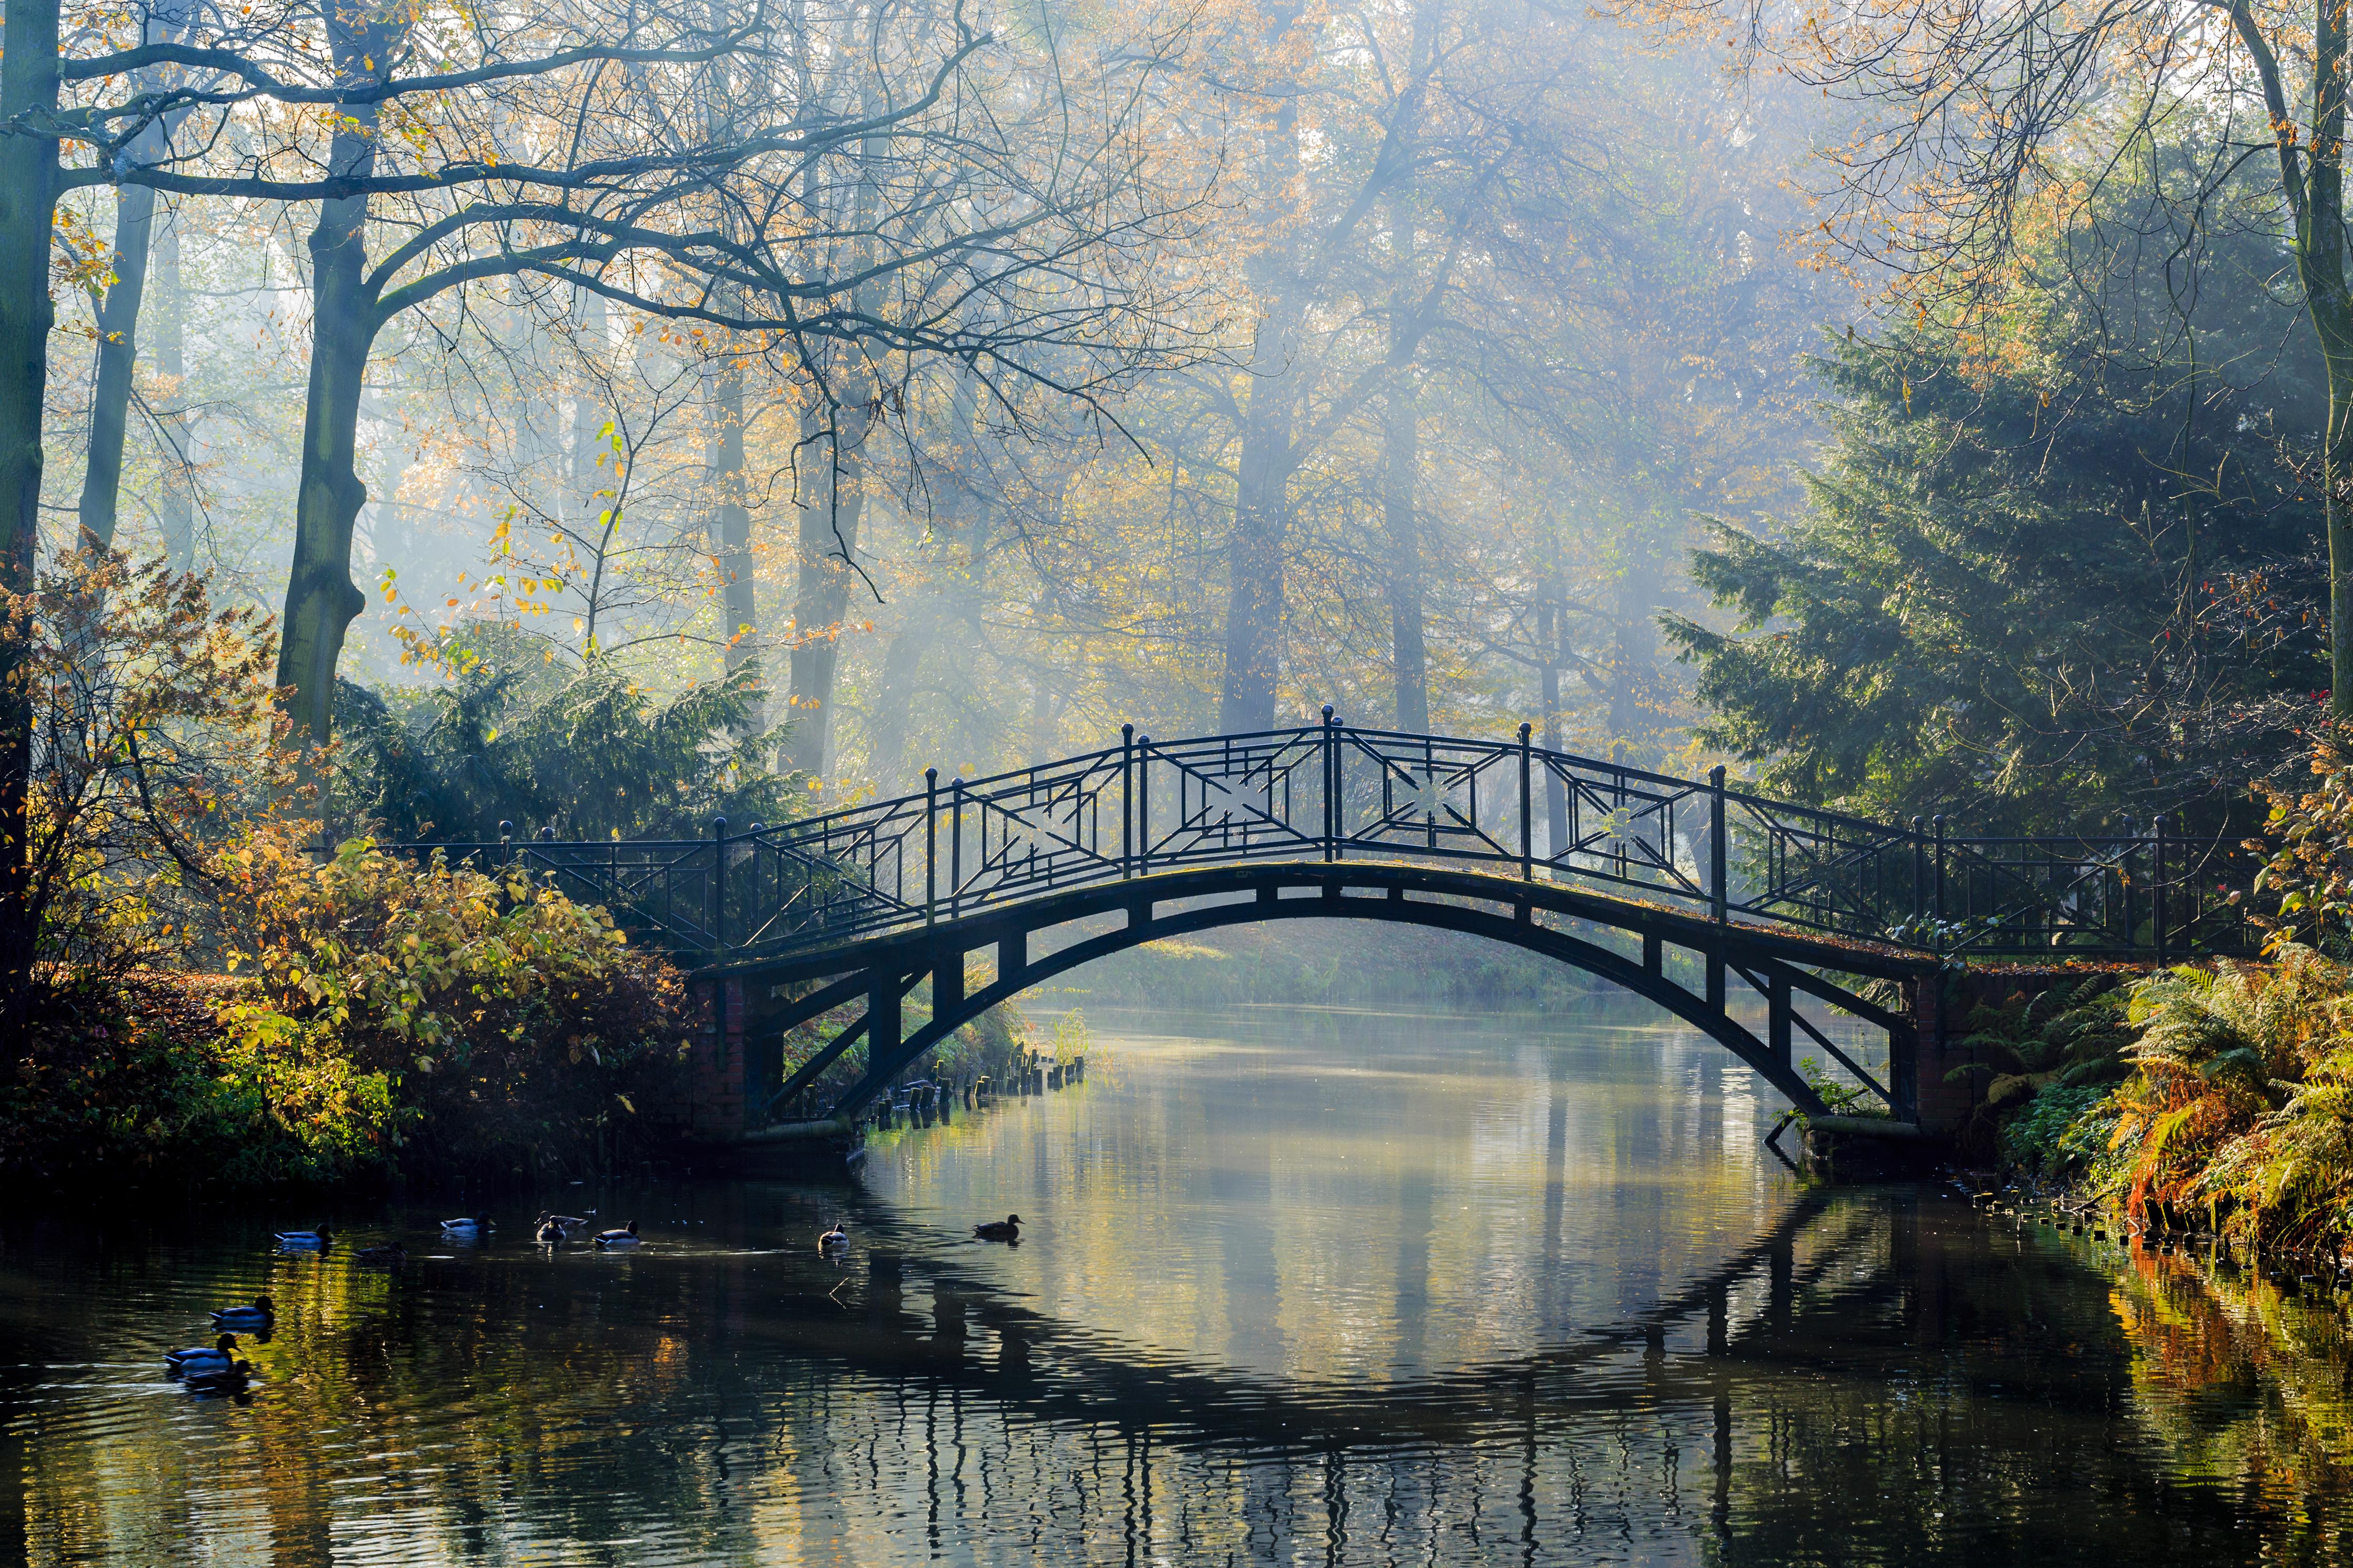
(1295, 1285)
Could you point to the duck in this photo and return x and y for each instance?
(259, 1315)
(832, 1238)
(570, 1222)
(392, 1254)
(213, 1357)
(551, 1230)
(228, 1378)
(1005, 1229)
(313, 1240)
(624, 1236)
(476, 1225)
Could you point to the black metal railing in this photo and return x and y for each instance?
(1331, 792)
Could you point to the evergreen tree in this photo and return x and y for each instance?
(590, 753)
(2032, 592)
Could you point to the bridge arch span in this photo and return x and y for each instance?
(1532, 916)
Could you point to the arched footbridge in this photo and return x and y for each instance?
(1732, 910)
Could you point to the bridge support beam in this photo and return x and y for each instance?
(1542, 917)
(1777, 1014)
(1945, 1088)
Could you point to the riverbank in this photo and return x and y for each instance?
(2202, 1102)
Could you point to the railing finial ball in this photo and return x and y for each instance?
(1526, 730)
(718, 827)
(506, 831)
(1327, 713)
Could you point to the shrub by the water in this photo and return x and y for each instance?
(123, 1079)
(383, 1016)
(511, 1027)
(2234, 1110)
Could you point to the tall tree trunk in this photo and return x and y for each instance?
(321, 600)
(828, 541)
(588, 417)
(1633, 679)
(117, 351)
(1548, 623)
(118, 333)
(902, 666)
(2320, 261)
(1409, 660)
(731, 522)
(1255, 555)
(175, 504)
(1042, 728)
(2337, 459)
(28, 186)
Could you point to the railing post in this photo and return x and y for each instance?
(2156, 889)
(931, 843)
(955, 847)
(1919, 869)
(1527, 822)
(1330, 787)
(1719, 895)
(719, 884)
(2128, 876)
(1126, 801)
(1144, 805)
(1938, 823)
(506, 845)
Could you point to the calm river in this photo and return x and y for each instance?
(1295, 1285)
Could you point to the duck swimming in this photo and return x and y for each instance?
(476, 1225)
(260, 1315)
(570, 1222)
(302, 1240)
(392, 1254)
(1005, 1229)
(832, 1238)
(624, 1236)
(213, 1357)
(229, 1379)
(551, 1230)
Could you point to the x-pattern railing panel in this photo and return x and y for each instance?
(1334, 792)
(2033, 893)
(1427, 795)
(1815, 867)
(1623, 826)
(1229, 798)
